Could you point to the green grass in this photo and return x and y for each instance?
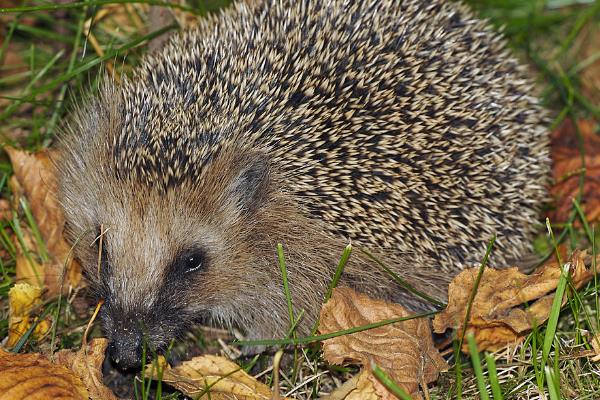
(57, 66)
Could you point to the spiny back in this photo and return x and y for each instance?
(401, 124)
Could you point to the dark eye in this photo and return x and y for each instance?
(193, 261)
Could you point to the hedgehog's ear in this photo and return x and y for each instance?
(249, 187)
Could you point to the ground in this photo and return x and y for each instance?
(51, 55)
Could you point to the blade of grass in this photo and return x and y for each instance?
(81, 4)
(334, 282)
(581, 21)
(7, 243)
(82, 68)
(401, 282)
(552, 384)
(3, 181)
(319, 338)
(288, 298)
(41, 245)
(458, 347)
(11, 108)
(5, 277)
(286, 288)
(338, 271)
(484, 262)
(23, 339)
(8, 38)
(45, 33)
(60, 289)
(493, 375)
(476, 361)
(389, 382)
(63, 90)
(292, 328)
(556, 303)
(457, 372)
(583, 219)
(16, 226)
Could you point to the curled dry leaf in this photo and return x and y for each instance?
(224, 379)
(497, 318)
(566, 156)
(32, 376)
(23, 298)
(404, 350)
(87, 365)
(36, 176)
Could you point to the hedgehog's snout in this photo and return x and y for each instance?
(126, 347)
(129, 338)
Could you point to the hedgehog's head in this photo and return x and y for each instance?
(180, 237)
(168, 258)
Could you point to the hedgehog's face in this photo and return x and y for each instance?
(168, 258)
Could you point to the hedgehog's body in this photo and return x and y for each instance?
(404, 126)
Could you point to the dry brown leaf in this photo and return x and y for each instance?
(23, 298)
(341, 392)
(567, 169)
(404, 350)
(87, 365)
(36, 175)
(365, 388)
(362, 386)
(29, 270)
(33, 377)
(497, 318)
(227, 380)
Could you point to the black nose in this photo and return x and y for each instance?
(125, 348)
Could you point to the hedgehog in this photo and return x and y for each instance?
(406, 128)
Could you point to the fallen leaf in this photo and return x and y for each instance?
(23, 298)
(28, 270)
(497, 317)
(224, 379)
(31, 376)
(365, 388)
(87, 365)
(36, 176)
(362, 386)
(341, 392)
(404, 350)
(566, 156)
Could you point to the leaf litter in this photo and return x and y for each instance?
(404, 350)
(508, 304)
